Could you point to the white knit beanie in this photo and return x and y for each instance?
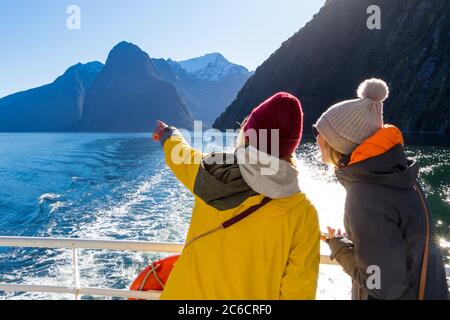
(346, 125)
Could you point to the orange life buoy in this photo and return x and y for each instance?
(155, 276)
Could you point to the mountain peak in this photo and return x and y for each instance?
(196, 64)
(90, 66)
(212, 66)
(129, 94)
(128, 56)
(125, 45)
(215, 56)
(126, 50)
(82, 68)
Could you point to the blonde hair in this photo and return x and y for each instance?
(241, 142)
(334, 156)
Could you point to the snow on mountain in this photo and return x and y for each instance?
(207, 84)
(213, 67)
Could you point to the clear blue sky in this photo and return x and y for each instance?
(36, 46)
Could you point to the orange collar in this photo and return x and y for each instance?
(382, 141)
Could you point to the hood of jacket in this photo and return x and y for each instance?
(226, 180)
(380, 160)
(266, 174)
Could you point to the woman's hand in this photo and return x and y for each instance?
(161, 127)
(332, 233)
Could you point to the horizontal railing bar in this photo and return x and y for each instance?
(119, 245)
(146, 295)
(36, 288)
(118, 293)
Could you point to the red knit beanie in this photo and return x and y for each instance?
(282, 111)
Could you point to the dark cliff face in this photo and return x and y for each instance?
(53, 107)
(130, 95)
(326, 60)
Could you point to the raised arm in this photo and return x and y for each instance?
(182, 159)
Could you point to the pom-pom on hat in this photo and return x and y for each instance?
(347, 124)
(374, 89)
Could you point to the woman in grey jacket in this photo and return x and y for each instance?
(389, 248)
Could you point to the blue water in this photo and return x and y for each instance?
(116, 186)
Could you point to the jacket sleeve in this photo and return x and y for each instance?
(377, 257)
(183, 160)
(299, 281)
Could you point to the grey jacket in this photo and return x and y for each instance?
(385, 222)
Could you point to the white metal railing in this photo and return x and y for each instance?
(75, 245)
(114, 245)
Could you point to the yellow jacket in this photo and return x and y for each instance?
(272, 254)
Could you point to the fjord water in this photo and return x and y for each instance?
(116, 186)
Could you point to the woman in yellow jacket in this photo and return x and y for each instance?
(271, 254)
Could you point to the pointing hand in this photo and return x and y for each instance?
(161, 128)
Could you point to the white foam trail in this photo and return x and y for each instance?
(48, 197)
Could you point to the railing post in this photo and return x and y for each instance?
(76, 274)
